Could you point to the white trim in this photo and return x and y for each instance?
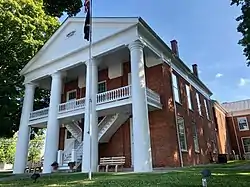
(238, 113)
(174, 67)
(206, 109)
(184, 126)
(245, 118)
(243, 143)
(198, 103)
(189, 100)
(69, 92)
(101, 83)
(132, 20)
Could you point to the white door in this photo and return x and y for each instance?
(69, 139)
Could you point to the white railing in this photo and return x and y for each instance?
(153, 95)
(39, 113)
(71, 105)
(114, 95)
(101, 98)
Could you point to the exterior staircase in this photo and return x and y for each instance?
(106, 127)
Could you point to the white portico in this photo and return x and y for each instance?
(64, 57)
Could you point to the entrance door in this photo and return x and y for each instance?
(69, 139)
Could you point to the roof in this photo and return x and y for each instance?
(177, 60)
(219, 106)
(237, 105)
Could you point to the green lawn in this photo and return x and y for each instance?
(221, 177)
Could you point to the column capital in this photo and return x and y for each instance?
(58, 74)
(94, 61)
(137, 44)
(30, 85)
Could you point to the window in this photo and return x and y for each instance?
(242, 123)
(195, 138)
(102, 87)
(246, 144)
(189, 97)
(182, 135)
(198, 103)
(206, 108)
(71, 95)
(175, 88)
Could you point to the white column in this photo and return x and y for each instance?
(94, 118)
(141, 132)
(52, 134)
(24, 130)
(90, 118)
(86, 137)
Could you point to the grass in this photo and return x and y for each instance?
(222, 176)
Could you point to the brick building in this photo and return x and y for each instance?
(145, 103)
(238, 118)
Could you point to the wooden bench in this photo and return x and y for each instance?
(111, 161)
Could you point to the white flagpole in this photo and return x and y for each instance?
(90, 78)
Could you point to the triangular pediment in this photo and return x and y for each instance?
(70, 37)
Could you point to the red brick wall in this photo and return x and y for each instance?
(223, 138)
(162, 122)
(232, 122)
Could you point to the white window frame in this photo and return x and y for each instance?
(69, 92)
(247, 126)
(198, 103)
(206, 108)
(247, 137)
(189, 100)
(101, 83)
(176, 91)
(180, 121)
(195, 138)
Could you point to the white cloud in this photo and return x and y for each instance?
(243, 81)
(218, 75)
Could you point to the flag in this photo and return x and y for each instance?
(87, 20)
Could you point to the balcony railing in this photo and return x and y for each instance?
(101, 98)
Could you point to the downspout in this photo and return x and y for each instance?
(236, 136)
(176, 119)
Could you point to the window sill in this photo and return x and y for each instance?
(184, 151)
(197, 152)
(178, 103)
(242, 130)
(191, 110)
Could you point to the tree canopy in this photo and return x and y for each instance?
(58, 7)
(24, 28)
(244, 26)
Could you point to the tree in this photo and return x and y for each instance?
(244, 26)
(24, 28)
(58, 7)
(8, 148)
(36, 146)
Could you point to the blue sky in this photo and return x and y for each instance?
(206, 33)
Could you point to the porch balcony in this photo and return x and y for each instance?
(108, 102)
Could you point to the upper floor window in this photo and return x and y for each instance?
(176, 88)
(71, 95)
(198, 103)
(195, 138)
(242, 123)
(102, 87)
(182, 134)
(188, 91)
(206, 108)
(246, 144)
